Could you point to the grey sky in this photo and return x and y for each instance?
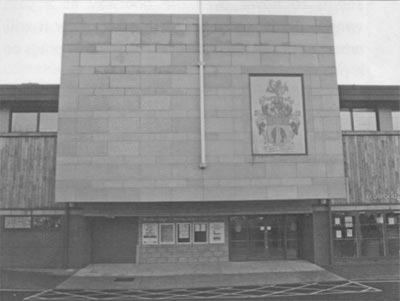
(367, 34)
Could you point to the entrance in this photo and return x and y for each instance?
(114, 240)
(265, 237)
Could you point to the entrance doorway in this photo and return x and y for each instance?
(114, 240)
(265, 237)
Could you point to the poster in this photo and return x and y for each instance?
(217, 233)
(17, 222)
(277, 114)
(337, 220)
(183, 233)
(391, 221)
(150, 234)
(349, 233)
(338, 233)
(348, 219)
(167, 233)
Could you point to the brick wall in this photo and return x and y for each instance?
(191, 252)
(129, 109)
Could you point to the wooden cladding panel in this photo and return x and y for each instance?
(372, 166)
(27, 171)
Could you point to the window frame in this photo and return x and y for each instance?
(385, 237)
(366, 109)
(28, 109)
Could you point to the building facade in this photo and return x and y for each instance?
(290, 165)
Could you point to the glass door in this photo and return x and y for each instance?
(260, 237)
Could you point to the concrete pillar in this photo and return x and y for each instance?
(321, 237)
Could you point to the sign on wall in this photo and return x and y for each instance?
(183, 232)
(217, 233)
(277, 111)
(17, 222)
(150, 234)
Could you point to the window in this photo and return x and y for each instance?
(200, 232)
(24, 122)
(17, 222)
(366, 234)
(33, 122)
(396, 120)
(183, 233)
(358, 120)
(371, 225)
(364, 120)
(392, 224)
(345, 120)
(344, 238)
(32, 222)
(48, 122)
(167, 233)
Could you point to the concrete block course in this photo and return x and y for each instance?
(94, 59)
(125, 59)
(95, 37)
(130, 93)
(245, 38)
(125, 37)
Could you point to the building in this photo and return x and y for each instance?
(285, 165)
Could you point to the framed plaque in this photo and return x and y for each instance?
(150, 234)
(277, 115)
(17, 222)
(183, 233)
(217, 233)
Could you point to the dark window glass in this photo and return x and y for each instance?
(344, 248)
(393, 247)
(24, 122)
(371, 225)
(372, 247)
(238, 228)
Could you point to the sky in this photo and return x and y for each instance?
(366, 33)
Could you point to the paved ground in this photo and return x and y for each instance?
(316, 289)
(382, 286)
(195, 275)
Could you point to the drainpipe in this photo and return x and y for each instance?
(203, 163)
(330, 232)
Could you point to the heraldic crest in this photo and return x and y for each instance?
(276, 119)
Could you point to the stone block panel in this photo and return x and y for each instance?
(130, 94)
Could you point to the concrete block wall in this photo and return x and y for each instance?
(178, 253)
(129, 128)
